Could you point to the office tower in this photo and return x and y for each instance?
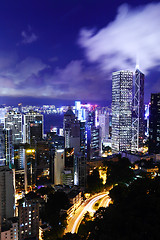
(25, 163)
(95, 148)
(55, 140)
(68, 173)
(13, 121)
(90, 121)
(154, 124)
(35, 132)
(28, 212)
(121, 111)
(2, 146)
(7, 199)
(30, 169)
(138, 112)
(59, 163)
(33, 127)
(80, 170)
(9, 150)
(104, 124)
(71, 128)
(20, 107)
(61, 132)
(83, 137)
(91, 117)
(43, 156)
(6, 147)
(19, 183)
(78, 110)
(146, 119)
(3, 112)
(69, 120)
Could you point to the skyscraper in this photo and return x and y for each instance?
(59, 163)
(121, 111)
(33, 127)
(154, 124)
(28, 212)
(138, 112)
(6, 192)
(71, 128)
(13, 121)
(104, 124)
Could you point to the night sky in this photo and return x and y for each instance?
(63, 50)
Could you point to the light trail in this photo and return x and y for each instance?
(87, 208)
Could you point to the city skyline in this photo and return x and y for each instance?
(58, 52)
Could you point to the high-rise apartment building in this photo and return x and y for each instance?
(28, 212)
(7, 199)
(121, 111)
(154, 124)
(9, 230)
(138, 112)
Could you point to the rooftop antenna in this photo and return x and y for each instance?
(137, 62)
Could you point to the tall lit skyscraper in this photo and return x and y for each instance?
(71, 128)
(104, 124)
(138, 112)
(33, 127)
(13, 121)
(121, 111)
(154, 124)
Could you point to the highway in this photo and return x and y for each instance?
(87, 205)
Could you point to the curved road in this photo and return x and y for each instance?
(86, 206)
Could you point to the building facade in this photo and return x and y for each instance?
(154, 124)
(7, 198)
(138, 112)
(33, 127)
(14, 122)
(28, 212)
(122, 82)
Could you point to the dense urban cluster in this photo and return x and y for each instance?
(45, 175)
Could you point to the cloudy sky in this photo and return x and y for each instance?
(63, 50)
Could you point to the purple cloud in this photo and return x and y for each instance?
(134, 34)
(32, 77)
(28, 37)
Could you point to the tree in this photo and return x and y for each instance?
(94, 182)
(71, 236)
(136, 214)
(55, 203)
(119, 171)
(118, 193)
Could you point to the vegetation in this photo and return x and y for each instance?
(119, 171)
(134, 214)
(55, 203)
(94, 182)
(72, 236)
